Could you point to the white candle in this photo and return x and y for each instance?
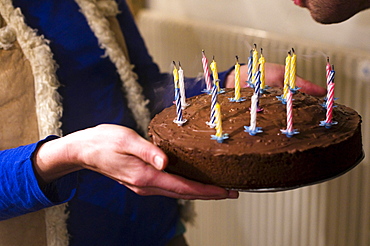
(182, 88)
(253, 112)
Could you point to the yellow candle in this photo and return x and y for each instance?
(287, 75)
(213, 67)
(237, 80)
(293, 69)
(218, 120)
(262, 62)
(254, 64)
(175, 75)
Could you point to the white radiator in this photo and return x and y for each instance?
(335, 213)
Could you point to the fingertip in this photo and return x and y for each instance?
(310, 88)
(233, 194)
(158, 162)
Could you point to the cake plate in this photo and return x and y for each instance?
(277, 189)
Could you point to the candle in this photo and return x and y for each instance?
(179, 119)
(250, 62)
(219, 137)
(214, 93)
(293, 70)
(237, 80)
(254, 64)
(216, 81)
(286, 77)
(329, 101)
(289, 111)
(253, 113)
(213, 67)
(175, 73)
(253, 129)
(207, 77)
(328, 68)
(237, 97)
(257, 90)
(262, 62)
(218, 120)
(289, 132)
(182, 87)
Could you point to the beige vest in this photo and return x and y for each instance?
(30, 108)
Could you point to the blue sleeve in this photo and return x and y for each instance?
(19, 189)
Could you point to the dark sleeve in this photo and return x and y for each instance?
(158, 87)
(19, 189)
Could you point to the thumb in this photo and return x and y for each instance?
(147, 152)
(310, 88)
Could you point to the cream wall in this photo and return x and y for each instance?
(280, 16)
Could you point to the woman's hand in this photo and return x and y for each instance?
(121, 154)
(275, 77)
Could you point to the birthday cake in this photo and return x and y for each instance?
(267, 161)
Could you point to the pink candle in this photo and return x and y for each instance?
(330, 103)
(328, 122)
(289, 112)
(328, 67)
(207, 77)
(290, 131)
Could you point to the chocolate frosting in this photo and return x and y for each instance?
(267, 160)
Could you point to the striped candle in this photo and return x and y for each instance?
(254, 64)
(329, 101)
(253, 112)
(237, 80)
(218, 120)
(175, 73)
(250, 62)
(207, 77)
(328, 68)
(286, 77)
(216, 81)
(182, 88)
(293, 70)
(179, 119)
(213, 67)
(237, 97)
(257, 90)
(219, 136)
(289, 112)
(214, 93)
(253, 129)
(289, 132)
(262, 62)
